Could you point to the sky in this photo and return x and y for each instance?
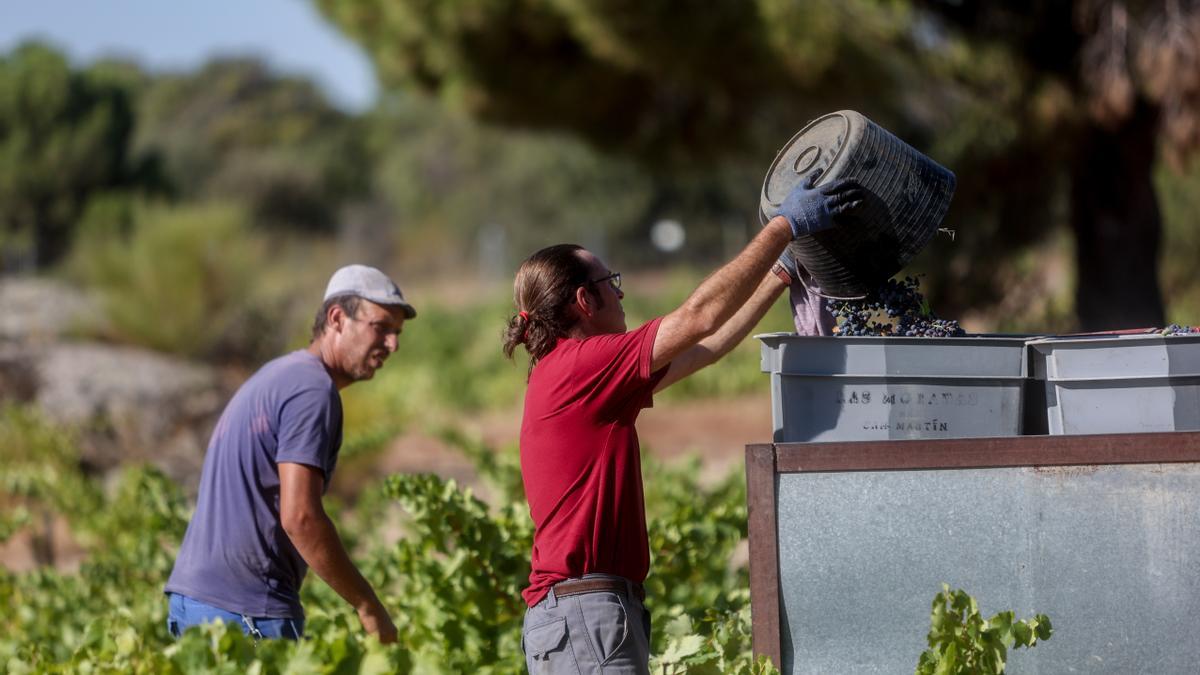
(181, 35)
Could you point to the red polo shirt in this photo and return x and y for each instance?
(580, 458)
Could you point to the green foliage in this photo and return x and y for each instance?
(188, 280)
(685, 574)
(963, 643)
(52, 621)
(233, 131)
(63, 136)
(702, 600)
(40, 477)
(1036, 106)
(455, 578)
(449, 194)
(643, 77)
(500, 469)
(719, 644)
(28, 439)
(451, 579)
(447, 177)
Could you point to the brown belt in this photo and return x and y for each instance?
(578, 586)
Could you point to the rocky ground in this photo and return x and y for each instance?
(102, 391)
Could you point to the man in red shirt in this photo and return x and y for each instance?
(589, 379)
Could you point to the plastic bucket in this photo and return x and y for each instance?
(909, 195)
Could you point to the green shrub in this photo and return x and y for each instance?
(130, 529)
(186, 280)
(961, 642)
(39, 475)
(452, 581)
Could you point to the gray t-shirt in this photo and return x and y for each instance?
(235, 554)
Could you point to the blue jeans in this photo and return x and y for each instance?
(594, 633)
(184, 612)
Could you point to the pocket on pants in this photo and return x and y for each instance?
(175, 614)
(607, 623)
(541, 641)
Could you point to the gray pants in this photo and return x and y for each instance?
(590, 634)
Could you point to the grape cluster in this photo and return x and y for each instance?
(896, 309)
(1176, 329)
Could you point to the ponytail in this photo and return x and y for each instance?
(543, 290)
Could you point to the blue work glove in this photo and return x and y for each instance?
(811, 209)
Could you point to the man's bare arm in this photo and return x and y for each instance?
(316, 539)
(720, 295)
(711, 349)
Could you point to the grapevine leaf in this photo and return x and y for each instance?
(683, 647)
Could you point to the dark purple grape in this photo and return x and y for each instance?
(901, 302)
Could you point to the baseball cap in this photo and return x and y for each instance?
(368, 283)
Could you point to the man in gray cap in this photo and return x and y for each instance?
(259, 522)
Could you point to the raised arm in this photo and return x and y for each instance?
(711, 349)
(807, 209)
(720, 296)
(316, 539)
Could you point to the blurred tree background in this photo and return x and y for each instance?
(64, 137)
(506, 125)
(1052, 113)
(202, 211)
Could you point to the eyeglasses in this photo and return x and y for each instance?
(613, 280)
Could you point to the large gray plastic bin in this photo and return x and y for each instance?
(1131, 383)
(881, 388)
